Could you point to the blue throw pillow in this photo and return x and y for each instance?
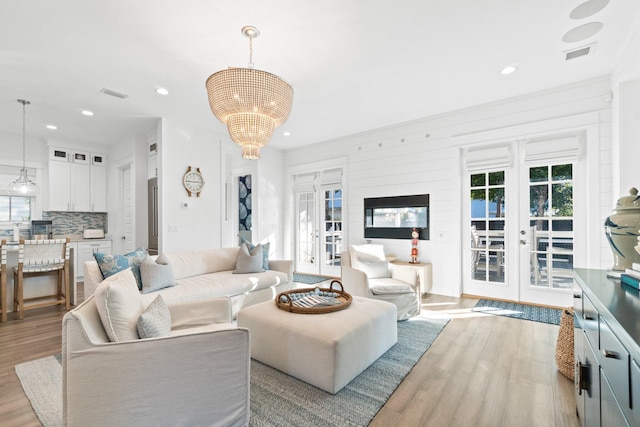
(265, 251)
(112, 264)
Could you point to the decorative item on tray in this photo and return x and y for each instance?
(621, 229)
(314, 300)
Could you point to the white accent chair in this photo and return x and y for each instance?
(367, 273)
(199, 375)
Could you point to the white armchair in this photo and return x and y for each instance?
(199, 375)
(367, 273)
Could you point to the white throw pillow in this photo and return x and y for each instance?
(156, 274)
(365, 253)
(120, 305)
(375, 269)
(155, 322)
(249, 262)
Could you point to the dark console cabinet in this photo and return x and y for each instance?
(607, 350)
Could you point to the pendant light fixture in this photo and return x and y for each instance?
(250, 102)
(23, 186)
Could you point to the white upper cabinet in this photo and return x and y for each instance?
(77, 181)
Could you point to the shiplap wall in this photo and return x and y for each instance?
(423, 156)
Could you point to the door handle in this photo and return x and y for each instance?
(523, 242)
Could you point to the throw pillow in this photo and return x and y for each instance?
(119, 305)
(156, 274)
(155, 321)
(265, 251)
(375, 269)
(249, 262)
(112, 264)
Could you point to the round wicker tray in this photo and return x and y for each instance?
(344, 297)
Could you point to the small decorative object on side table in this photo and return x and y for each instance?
(414, 246)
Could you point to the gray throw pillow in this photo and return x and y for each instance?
(155, 321)
(156, 274)
(249, 262)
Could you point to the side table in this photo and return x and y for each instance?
(424, 274)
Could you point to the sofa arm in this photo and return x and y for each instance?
(285, 266)
(178, 380)
(355, 282)
(92, 277)
(406, 274)
(200, 313)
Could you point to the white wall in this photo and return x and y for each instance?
(196, 226)
(423, 157)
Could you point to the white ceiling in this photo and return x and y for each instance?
(354, 65)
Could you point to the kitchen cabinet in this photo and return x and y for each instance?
(607, 350)
(77, 182)
(85, 251)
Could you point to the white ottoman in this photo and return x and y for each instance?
(326, 350)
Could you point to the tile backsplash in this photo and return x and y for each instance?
(74, 223)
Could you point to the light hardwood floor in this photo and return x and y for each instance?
(482, 370)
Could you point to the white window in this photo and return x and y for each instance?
(15, 208)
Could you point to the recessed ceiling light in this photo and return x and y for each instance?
(508, 69)
(52, 127)
(287, 133)
(87, 112)
(162, 91)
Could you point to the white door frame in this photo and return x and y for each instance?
(587, 253)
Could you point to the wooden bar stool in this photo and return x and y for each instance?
(3, 281)
(40, 257)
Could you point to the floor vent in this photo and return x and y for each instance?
(115, 93)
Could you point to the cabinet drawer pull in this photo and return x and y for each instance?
(609, 354)
(577, 296)
(587, 317)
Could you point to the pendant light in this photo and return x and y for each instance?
(23, 186)
(250, 102)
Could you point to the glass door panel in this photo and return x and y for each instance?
(488, 221)
(551, 226)
(332, 232)
(306, 233)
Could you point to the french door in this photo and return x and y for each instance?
(522, 230)
(318, 224)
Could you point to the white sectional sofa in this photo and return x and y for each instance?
(208, 274)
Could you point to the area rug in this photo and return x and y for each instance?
(519, 311)
(276, 398)
(309, 279)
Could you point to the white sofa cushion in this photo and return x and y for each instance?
(119, 305)
(155, 321)
(194, 263)
(388, 286)
(375, 269)
(156, 274)
(365, 253)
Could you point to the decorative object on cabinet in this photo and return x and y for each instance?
(250, 102)
(193, 181)
(23, 186)
(621, 229)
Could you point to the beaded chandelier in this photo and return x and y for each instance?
(250, 102)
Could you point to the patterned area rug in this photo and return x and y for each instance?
(309, 279)
(276, 398)
(519, 311)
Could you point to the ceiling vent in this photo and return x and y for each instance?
(581, 51)
(115, 93)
